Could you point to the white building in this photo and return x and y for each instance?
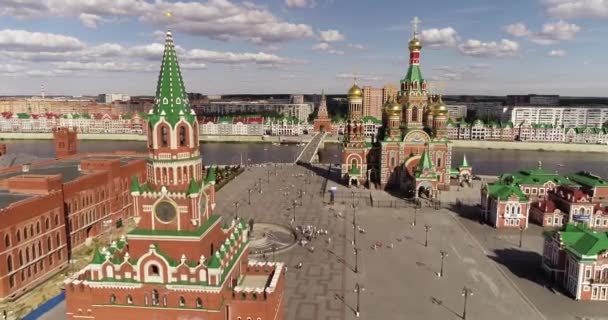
(301, 111)
(560, 116)
(111, 97)
(457, 111)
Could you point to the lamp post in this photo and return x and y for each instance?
(415, 213)
(260, 184)
(353, 194)
(521, 234)
(268, 179)
(358, 289)
(426, 237)
(249, 192)
(443, 255)
(274, 249)
(236, 210)
(356, 259)
(275, 169)
(295, 203)
(466, 292)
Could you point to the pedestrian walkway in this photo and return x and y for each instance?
(310, 150)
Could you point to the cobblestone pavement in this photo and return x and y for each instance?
(400, 282)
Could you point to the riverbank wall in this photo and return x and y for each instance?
(529, 146)
(475, 144)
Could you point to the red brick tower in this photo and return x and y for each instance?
(180, 262)
(322, 123)
(65, 142)
(355, 149)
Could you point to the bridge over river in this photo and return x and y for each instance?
(311, 149)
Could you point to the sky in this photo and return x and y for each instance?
(487, 47)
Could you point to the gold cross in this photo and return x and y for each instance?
(168, 14)
(415, 23)
(439, 87)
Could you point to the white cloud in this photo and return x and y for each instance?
(90, 20)
(104, 66)
(438, 38)
(558, 53)
(476, 48)
(11, 68)
(16, 40)
(554, 32)
(198, 55)
(215, 19)
(300, 3)
(577, 8)
(549, 34)
(193, 66)
(322, 46)
(517, 29)
(331, 36)
(357, 46)
(336, 52)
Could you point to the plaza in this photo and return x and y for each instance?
(399, 282)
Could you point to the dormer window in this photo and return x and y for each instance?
(154, 271)
(164, 136)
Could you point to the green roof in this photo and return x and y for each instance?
(171, 101)
(194, 187)
(425, 161)
(535, 177)
(583, 241)
(135, 185)
(354, 170)
(98, 258)
(465, 163)
(413, 74)
(211, 176)
(372, 119)
(214, 262)
(196, 233)
(503, 191)
(588, 179)
(23, 116)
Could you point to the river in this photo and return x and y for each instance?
(485, 162)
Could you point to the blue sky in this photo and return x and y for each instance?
(493, 47)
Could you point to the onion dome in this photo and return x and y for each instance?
(439, 108)
(393, 108)
(355, 92)
(415, 44)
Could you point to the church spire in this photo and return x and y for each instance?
(171, 100)
(413, 80)
(323, 107)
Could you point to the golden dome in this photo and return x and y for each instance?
(393, 108)
(355, 92)
(440, 109)
(415, 44)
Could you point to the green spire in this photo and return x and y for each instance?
(425, 161)
(465, 163)
(210, 175)
(135, 185)
(98, 258)
(171, 97)
(193, 188)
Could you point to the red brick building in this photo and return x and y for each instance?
(66, 142)
(181, 261)
(322, 123)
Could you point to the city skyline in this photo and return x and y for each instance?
(302, 46)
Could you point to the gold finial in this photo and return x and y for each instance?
(168, 14)
(439, 88)
(415, 23)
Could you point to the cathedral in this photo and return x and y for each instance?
(411, 151)
(181, 261)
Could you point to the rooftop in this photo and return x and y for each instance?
(254, 281)
(6, 198)
(583, 241)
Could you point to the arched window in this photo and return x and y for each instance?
(27, 254)
(20, 258)
(155, 297)
(164, 136)
(129, 299)
(48, 244)
(11, 281)
(33, 251)
(58, 239)
(9, 263)
(353, 164)
(56, 219)
(39, 247)
(24, 233)
(182, 301)
(38, 227)
(199, 303)
(7, 240)
(153, 271)
(112, 299)
(414, 114)
(164, 300)
(18, 235)
(182, 136)
(582, 210)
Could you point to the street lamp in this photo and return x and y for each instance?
(274, 249)
(295, 203)
(415, 213)
(268, 180)
(426, 239)
(249, 192)
(358, 289)
(354, 225)
(466, 292)
(356, 259)
(521, 233)
(260, 184)
(443, 255)
(236, 210)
